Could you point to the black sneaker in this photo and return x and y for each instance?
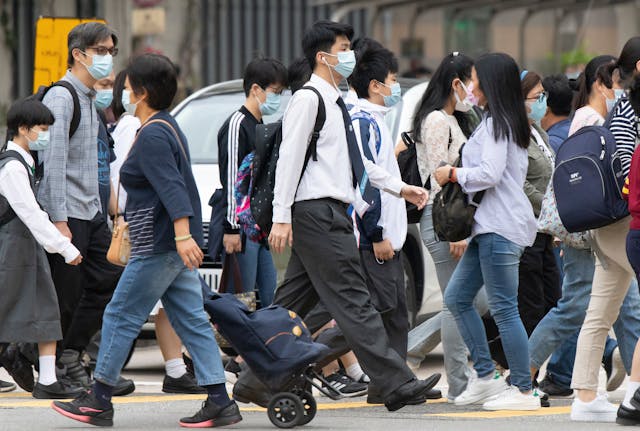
(627, 416)
(249, 389)
(554, 390)
(345, 385)
(188, 362)
(212, 415)
(18, 367)
(73, 369)
(232, 371)
(411, 393)
(123, 387)
(59, 390)
(87, 409)
(182, 385)
(7, 386)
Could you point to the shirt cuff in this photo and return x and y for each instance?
(70, 253)
(281, 215)
(394, 186)
(461, 177)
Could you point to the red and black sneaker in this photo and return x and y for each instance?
(87, 409)
(212, 415)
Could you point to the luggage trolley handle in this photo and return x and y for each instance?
(230, 265)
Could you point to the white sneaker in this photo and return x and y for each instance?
(479, 390)
(513, 399)
(598, 410)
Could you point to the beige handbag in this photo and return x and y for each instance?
(120, 247)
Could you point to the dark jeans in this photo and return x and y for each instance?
(539, 282)
(325, 265)
(84, 290)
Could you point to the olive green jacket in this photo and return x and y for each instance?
(539, 171)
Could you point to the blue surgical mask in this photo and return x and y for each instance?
(610, 103)
(618, 93)
(346, 62)
(395, 97)
(41, 143)
(103, 99)
(126, 102)
(271, 104)
(538, 109)
(101, 67)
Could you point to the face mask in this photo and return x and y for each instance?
(271, 104)
(101, 67)
(470, 96)
(346, 63)
(103, 99)
(396, 94)
(463, 105)
(618, 93)
(538, 109)
(610, 102)
(126, 102)
(41, 143)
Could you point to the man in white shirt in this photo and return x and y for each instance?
(311, 216)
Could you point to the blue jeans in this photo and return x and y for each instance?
(145, 280)
(258, 271)
(567, 317)
(491, 260)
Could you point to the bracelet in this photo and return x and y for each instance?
(183, 238)
(453, 178)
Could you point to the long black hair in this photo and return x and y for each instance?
(499, 80)
(599, 68)
(629, 57)
(439, 90)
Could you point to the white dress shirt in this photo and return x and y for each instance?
(330, 176)
(123, 136)
(16, 188)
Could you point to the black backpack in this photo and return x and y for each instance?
(6, 212)
(75, 119)
(263, 175)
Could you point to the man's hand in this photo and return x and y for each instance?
(232, 243)
(416, 195)
(457, 248)
(383, 250)
(281, 235)
(442, 174)
(190, 253)
(63, 227)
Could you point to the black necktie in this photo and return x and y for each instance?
(360, 176)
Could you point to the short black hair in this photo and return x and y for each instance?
(264, 71)
(118, 86)
(360, 45)
(88, 34)
(155, 74)
(27, 113)
(321, 36)
(560, 94)
(373, 64)
(298, 73)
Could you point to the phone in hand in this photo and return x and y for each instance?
(407, 139)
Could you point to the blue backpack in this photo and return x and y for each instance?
(588, 180)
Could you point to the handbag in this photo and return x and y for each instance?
(231, 266)
(452, 211)
(549, 222)
(119, 250)
(410, 174)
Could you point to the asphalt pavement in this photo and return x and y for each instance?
(149, 408)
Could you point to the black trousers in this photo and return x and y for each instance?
(325, 265)
(84, 290)
(539, 286)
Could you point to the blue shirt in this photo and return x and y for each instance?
(160, 189)
(558, 133)
(498, 166)
(105, 157)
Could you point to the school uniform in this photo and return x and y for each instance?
(29, 308)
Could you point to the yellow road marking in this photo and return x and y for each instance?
(547, 411)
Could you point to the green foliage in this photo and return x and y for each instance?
(575, 57)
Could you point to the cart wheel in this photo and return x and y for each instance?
(285, 410)
(310, 407)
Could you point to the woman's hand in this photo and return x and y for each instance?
(76, 261)
(442, 174)
(457, 248)
(190, 253)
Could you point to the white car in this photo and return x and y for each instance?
(201, 115)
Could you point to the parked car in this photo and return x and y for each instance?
(201, 115)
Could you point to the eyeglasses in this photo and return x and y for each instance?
(540, 97)
(103, 50)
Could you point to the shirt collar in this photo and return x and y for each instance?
(25, 154)
(373, 108)
(325, 88)
(89, 92)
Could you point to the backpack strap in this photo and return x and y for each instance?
(5, 156)
(315, 135)
(365, 132)
(75, 119)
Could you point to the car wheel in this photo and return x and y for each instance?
(410, 290)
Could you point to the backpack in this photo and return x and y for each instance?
(75, 119)
(6, 212)
(588, 179)
(263, 175)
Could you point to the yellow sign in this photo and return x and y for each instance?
(50, 62)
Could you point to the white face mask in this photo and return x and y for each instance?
(466, 104)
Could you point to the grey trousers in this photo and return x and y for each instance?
(325, 265)
(420, 338)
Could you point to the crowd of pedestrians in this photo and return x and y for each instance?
(514, 296)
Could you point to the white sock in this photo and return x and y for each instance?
(47, 373)
(355, 372)
(175, 368)
(631, 389)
